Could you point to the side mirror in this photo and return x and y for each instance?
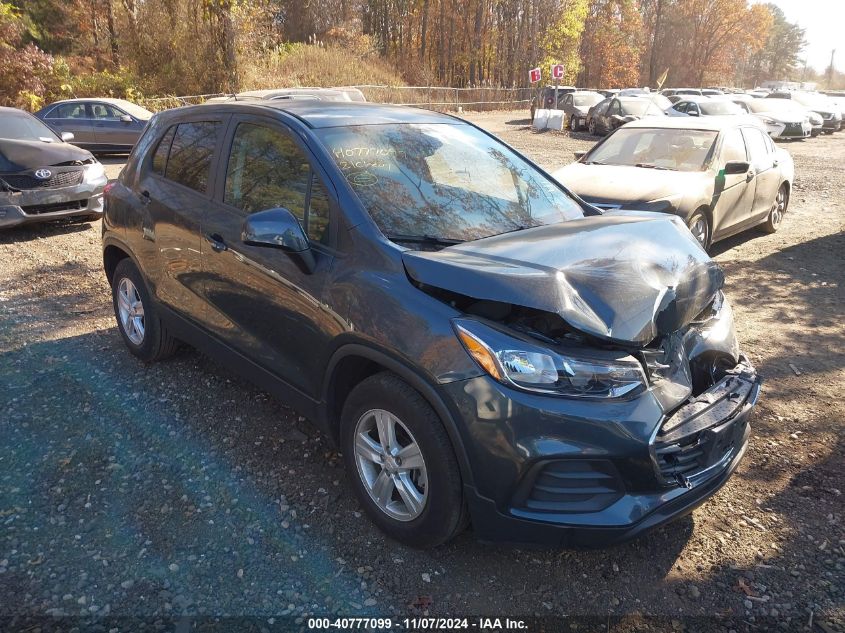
(67, 137)
(579, 155)
(734, 167)
(692, 112)
(126, 118)
(278, 228)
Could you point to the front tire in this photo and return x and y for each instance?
(699, 226)
(138, 320)
(778, 210)
(573, 124)
(591, 127)
(401, 462)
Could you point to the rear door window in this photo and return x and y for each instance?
(68, 111)
(757, 147)
(191, 151)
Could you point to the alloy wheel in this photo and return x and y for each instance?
(391, 465)
(131, 311)
(778, 208)
(700, 230)
(592, 127)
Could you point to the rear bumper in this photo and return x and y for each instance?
(43, 205)
(718, 421)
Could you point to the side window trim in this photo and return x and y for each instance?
(317, 170)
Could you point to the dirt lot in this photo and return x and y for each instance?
(179, 489)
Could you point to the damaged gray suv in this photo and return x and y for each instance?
(483, 346)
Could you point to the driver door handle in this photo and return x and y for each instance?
(218, 244)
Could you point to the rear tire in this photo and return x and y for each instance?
(778, 210)
(436, 512)
(573, 124)
(138, 320)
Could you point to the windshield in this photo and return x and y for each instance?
(21, 126)
(774, 105)
(640, 107)
(656, 148)
(588, 100)
(444, 181)
(142, 114)
(720, 107)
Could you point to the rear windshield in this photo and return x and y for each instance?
(445, 181)
(720, 107)
(640, 107)
(587, 100)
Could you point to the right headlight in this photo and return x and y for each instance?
(518, 363)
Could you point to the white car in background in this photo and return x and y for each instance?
(783, 118)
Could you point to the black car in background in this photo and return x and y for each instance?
(100, 125)
(42, 177)
(614, 112)
(482, 345)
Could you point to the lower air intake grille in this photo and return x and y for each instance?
(571, 485)
(38, 209)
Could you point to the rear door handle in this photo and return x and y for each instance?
(750, 176)
(218, 244)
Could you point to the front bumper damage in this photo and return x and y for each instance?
(590, 474)
(19, 207)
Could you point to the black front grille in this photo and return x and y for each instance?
(58, 179)
(794, 127)
(570, 485)
(38, 209)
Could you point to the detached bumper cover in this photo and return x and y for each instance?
(41, 205)
(692, 453)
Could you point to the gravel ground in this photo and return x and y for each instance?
(178, 488)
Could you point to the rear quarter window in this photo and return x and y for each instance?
(162, 150)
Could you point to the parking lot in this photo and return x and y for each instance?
(178, 488)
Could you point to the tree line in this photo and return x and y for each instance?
(183, 46)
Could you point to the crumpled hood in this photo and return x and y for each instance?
(623, 183)
(22, 155)
(627, 277)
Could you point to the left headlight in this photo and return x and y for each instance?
(521, 364)
(95, 173)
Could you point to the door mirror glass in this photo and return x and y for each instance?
(126, 118)
(736, 167)
(278, 228)
(67, 137)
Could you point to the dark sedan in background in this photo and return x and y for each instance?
(612, 113)
(42, 177)
(100, 125)
(722, 175)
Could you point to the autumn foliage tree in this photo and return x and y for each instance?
(612, 44)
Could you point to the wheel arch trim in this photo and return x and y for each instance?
(410, 375)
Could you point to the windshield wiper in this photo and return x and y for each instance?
(425, 239)
(650, 166)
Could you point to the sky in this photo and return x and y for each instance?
(824, 24)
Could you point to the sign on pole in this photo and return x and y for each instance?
(535, 75)
(557, 72)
